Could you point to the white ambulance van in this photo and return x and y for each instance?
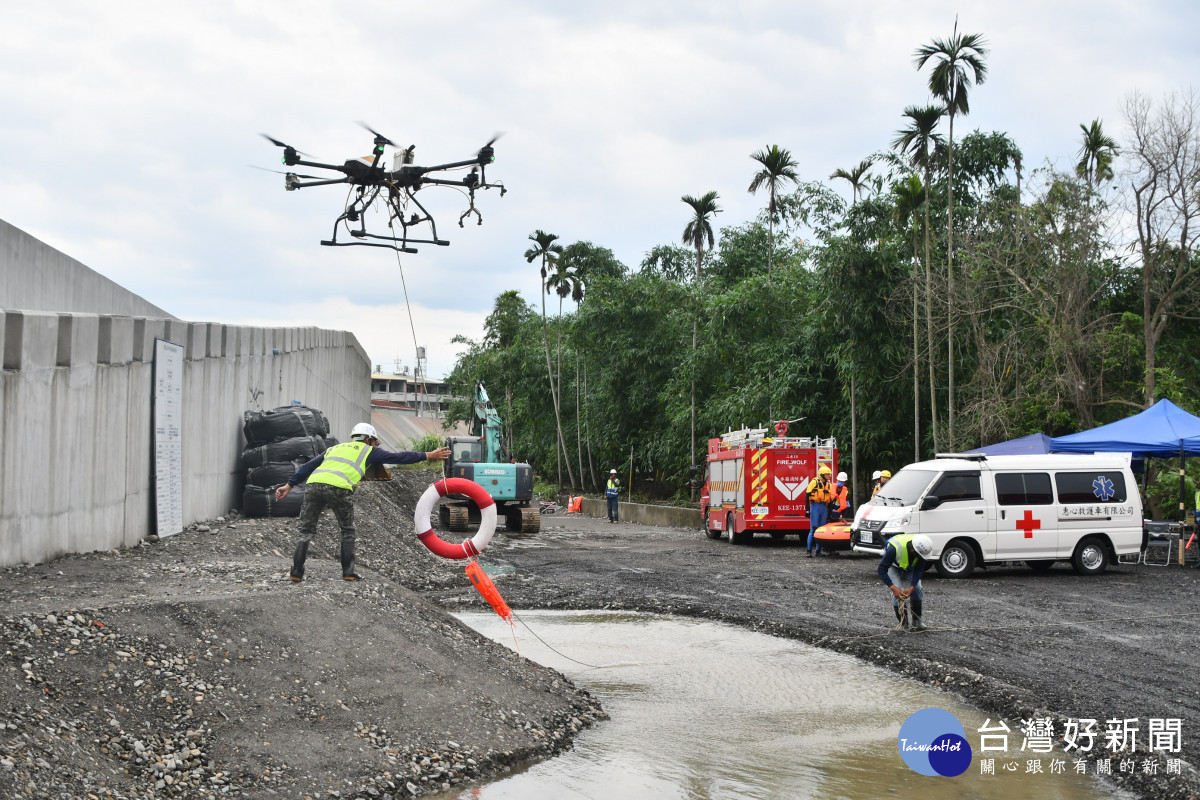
(1034, 508)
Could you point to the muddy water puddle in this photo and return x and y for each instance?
(701, 710)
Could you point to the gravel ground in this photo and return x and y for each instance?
(191, 667)
(1013, 643)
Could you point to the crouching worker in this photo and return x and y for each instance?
(905, 559)
(330, 480)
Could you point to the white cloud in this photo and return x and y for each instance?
(130, 128)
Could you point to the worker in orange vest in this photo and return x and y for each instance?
(841, 494)
(820, 495)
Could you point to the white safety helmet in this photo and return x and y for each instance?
(363, 430)
(842, 477)
(876, 475)
(922, 545)
(612, 472)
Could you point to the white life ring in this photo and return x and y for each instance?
(487, 524)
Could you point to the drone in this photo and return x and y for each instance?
(396, 189)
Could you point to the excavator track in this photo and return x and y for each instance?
(460, 518)
(523, 520)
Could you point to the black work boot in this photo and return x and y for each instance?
(348, 573)
(298, 559)
(914, 621)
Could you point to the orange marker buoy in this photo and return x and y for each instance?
(484, 585)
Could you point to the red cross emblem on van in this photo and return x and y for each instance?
(1028, 524)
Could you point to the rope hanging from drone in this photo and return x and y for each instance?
(368, 180)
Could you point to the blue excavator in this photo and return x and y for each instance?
(480, 458)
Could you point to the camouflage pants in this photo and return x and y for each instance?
(318, 497)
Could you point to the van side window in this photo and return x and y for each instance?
(1024, 489)
(1090, 487)
(958, 486)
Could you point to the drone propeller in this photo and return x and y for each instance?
(486, 153)
(380, 139)
(278, 143)
(281, 172)
(290, 154)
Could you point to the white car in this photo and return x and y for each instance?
(1034, 508)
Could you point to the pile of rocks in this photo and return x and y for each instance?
(191, 667)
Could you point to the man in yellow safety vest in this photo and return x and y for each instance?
(330, 479)
(612, 494)
(905, 559)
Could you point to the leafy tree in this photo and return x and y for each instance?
(669, 261)
(1165, 153)
(590, 262)
(502, 326)
(957, 61)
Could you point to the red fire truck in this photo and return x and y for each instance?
(758, 482)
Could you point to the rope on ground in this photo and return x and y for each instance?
(1025, 626)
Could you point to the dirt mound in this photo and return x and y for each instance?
(192, 667)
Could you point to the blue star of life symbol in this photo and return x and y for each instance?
(1103, 488)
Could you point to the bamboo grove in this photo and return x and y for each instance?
(955, 298)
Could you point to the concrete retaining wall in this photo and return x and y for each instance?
(662, 516)
(35, 276)
(76, 466)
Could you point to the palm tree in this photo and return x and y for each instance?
(548, 252)
(857, 176)
(919, 141)
(958, 61)
(778, 169)
(696, 233)
(560, 281)
(910, 196)
(563, 281)
(1096, 155)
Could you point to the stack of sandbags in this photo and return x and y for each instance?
(278, 442)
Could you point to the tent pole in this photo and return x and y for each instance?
(1182, 490)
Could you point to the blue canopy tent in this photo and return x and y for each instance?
(1034, 443)
(1164, 430)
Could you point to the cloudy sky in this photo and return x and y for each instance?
(129, 129)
